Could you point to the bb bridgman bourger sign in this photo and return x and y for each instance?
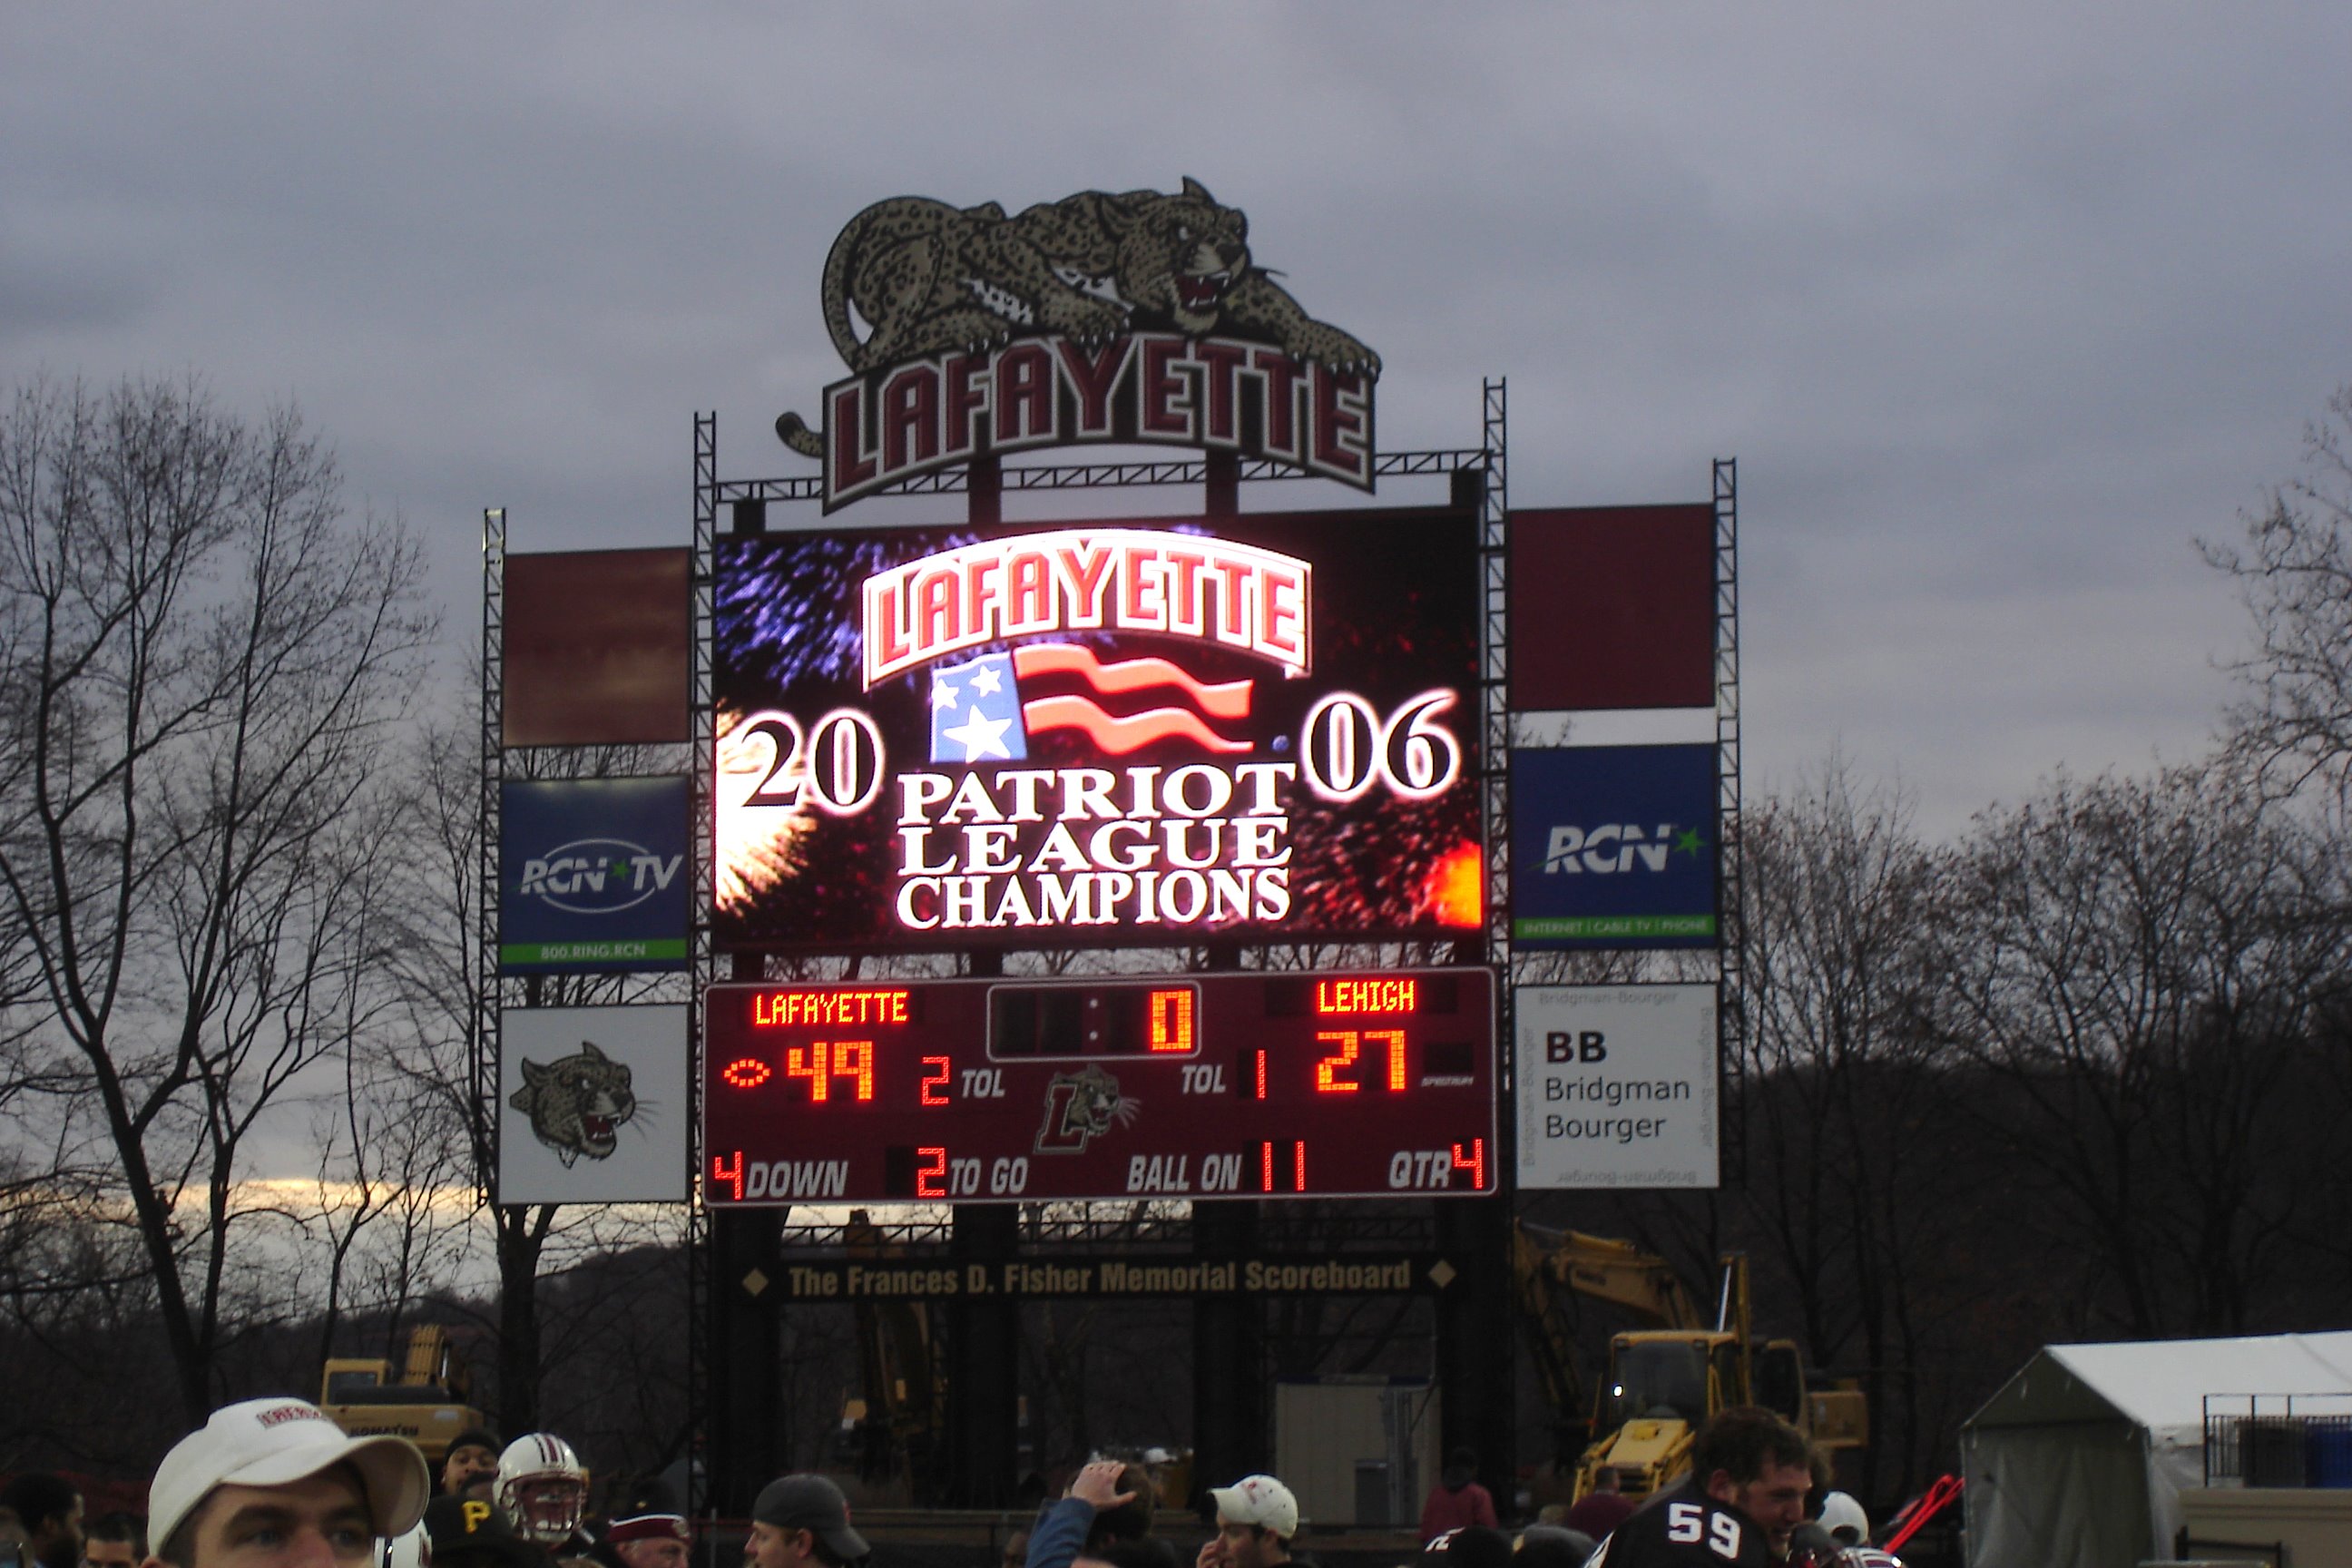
(1137, 318)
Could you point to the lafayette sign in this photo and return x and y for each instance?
(1138, 317)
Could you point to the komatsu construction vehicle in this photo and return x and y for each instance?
(1664, 1382)
(428, 1404)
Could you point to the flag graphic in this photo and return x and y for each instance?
(976, 712)
(986, 709)
(1082, 681)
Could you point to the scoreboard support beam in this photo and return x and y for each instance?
(748, 1434)
(983, 1365)
(1476, 1337)
(1229, 1405)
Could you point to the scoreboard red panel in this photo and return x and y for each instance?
(1374, 1083)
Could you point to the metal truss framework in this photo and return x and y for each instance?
(704, 956)
(1109, 476)
(482, 1057)
(1731, 904)
(1494, 541)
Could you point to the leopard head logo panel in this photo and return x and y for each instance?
(576, 1103)
(1079, 1107)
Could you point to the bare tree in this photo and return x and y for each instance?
(1852, 1170)
(207, 660)
(2293, 570)
(2131, 964)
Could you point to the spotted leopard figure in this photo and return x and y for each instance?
(932, 279)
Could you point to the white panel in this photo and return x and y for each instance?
(1616, 1086)
(599, 1116)
(1615, 727)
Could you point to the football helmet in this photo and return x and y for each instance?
(413, 1550)
(542, 1488)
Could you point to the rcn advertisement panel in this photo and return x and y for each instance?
(592, 875)
(1614, 847)
(1617, 1085)
(1143, 732)
(589, 1105)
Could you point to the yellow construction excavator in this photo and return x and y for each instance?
(428, 1402)
(1664, 1380)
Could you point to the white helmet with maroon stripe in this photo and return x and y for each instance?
(542, 1488)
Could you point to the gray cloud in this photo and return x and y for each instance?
(1998, 308)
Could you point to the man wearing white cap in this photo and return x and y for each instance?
(273, 1483)
(1256, 1518)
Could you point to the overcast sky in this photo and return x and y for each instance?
(2000, 306)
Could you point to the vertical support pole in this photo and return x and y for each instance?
(1229, 1408)
(1228, 1382)
(984, 491)
(482, 1057)
(1478, 1394)
(1223, 488)
(982, 1339)
(983, 1361)
(743, 1402)
(738, 1375)
(1477, 1339)
(702, 720)
(1730, 898)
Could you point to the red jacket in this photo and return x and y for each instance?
(1455, 1508)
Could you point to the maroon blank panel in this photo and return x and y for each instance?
(596, 648)
(1612, 607)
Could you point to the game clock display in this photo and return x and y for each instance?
(1377, 1083)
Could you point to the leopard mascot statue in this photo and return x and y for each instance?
(934, 278)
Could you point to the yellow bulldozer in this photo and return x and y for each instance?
(1664, 1382)
(428, 1404)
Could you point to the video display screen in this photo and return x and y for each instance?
(1141, 732)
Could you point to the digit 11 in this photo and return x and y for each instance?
(1267, 1162)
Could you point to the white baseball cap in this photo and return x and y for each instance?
(269, 1442)
(1260, 1501)
(1842, 1517)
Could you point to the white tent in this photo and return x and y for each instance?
(2080, 1459)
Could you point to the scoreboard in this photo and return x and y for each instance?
(1373, 1083)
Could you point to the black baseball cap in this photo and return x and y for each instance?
(474, 1437)
(814, 1504)
(473, 1534)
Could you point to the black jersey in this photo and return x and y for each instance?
(1685, 1529)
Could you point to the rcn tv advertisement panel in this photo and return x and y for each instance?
(1614, 847)
(1144, 732)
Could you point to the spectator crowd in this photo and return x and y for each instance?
(274, 1483)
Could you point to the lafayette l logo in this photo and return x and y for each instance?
(1133, 318)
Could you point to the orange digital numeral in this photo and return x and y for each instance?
(1327, 1072)
(821, 1061)
(931, 1179)
(1172, 1020)
(722, 1171)
(1327, 1080)
(936, 1080)
(1266, 1165)
(1475, 1164)
(854, 1059)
